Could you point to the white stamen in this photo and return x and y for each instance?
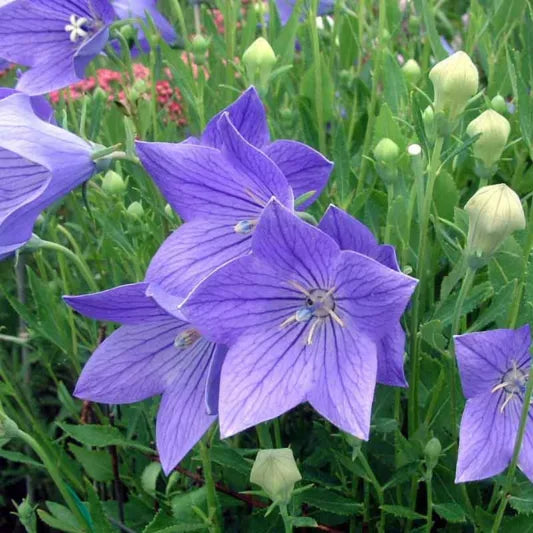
(75, 28)
(507, 400)
(500, 386)
(312, 330)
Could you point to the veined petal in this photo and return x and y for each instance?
(212, 388)
(89, 50)
(525, 459)
(305, 169)
(201, 182)
(136, 362)
(350, 234)
(243, 296)
(484, 357)
(182, 418)
(264, 177)
(169, 302)
(391, 349)
(487, 436)
(248, 116)
(346, 378)
(265, 375)
(194, 251)
(373, 295)
(299, 251)
(127, 304)
(40, 105)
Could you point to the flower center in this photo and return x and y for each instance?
(76, 28)
(186, 338)
(319, 304)
(244, 227)
(514, 381)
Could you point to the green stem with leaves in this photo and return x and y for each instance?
(212, 499)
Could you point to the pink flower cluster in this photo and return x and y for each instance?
(112, 82)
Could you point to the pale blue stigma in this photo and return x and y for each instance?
(304, 314)
(244, 226)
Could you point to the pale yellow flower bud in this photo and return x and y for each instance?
(494, 212)
(455, 80)
(494, 129)
(259, 59)
(275, 471)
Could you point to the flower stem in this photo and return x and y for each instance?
(429, 495)
(377, 488)
(319, 100)
(212, 500)
(516, 452)
(420, 270)
(285, 516)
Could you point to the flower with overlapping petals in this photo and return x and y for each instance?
(494, 367)
(39, 163)
(301, 318)
(57, 39)
(152, 353)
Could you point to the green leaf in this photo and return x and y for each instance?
(100, 521)
(402, 512)
(228, 457)
(17, 457)
(61, 518)
(423, 8)
(303, 521)
(182, 504)
(522, 499)
(96, 463)
(330, 501)
(149, 477)
(431, 332)
(451, 512)
(446, 195)
(93, 434)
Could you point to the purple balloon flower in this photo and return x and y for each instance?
(219, 185)
(126, 9)
(40, 105)
(350, 234)
(494, 368)
(301, 318)
(56, 38)
(286, 7)
(39, 163)
(152, 353)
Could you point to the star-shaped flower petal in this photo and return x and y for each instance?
(301, 317)
(152, 353)
(350, 234)
(57, 39)
(494, 367)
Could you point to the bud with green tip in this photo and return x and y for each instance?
(494, 130)
(26, 515)
(259, 59)
(135, 210)
(387, 153)
(428, 118)
(113, 183)
(499, 104)
(432, 452)
(455, 80)
(200, 45)
(275, 471)
(494, 212)
(411, 71)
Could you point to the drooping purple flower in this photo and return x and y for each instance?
(152, 353)
(300, 317)
(350, 234)
(57, 39)
(39, 163)
(220, 193)
(126, 9)
(494, 367)
(286, 7)
(306, 169)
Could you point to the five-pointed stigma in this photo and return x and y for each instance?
(513, 382)
(75, 28)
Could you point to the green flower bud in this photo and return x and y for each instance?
(113, 183)
(386, 151)
(494, 212)
(432, 452)
(428, 118)
(499, 104)
(200, 45)
(26, 515)
(494, 129)
(128, 32)
(169, 211)
(413, 24)
(411, 71)
(259, 59)
(455, 80)
(135, 210)
(275, 471)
